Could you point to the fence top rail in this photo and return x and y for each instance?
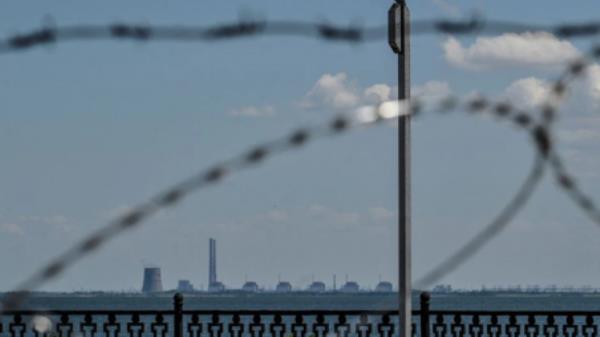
(203, 312)
(228, 312)
(286, 312)
(515, 312)
(87, 312)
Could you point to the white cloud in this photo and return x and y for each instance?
(333, 215)
(339, 92)
(334, 91)
(12, 228)
(583, 96)
(578, 132)
(378, 93)
(431, 91)
(276, 215)
(253, 111)
(381, 214)
(528, 92)
(510, 49)
(593, 80)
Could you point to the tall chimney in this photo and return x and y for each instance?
(212, 262)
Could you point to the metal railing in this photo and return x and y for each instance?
(178, 322)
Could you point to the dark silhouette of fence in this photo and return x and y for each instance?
(178, 322)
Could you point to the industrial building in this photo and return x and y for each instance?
(213, 284)
(185, 286)
(317, 286)
(350, 287)
(212, 262)
(216, 287)
(152, 280)
(384, 287)
(250, 286)
(283, 287)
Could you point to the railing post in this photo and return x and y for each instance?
(178, 315)
(425, 314)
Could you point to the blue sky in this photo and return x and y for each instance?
(90, 129)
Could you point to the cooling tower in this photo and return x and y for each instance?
(152, 280)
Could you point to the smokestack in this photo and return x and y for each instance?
(212, 262)
(152, 280)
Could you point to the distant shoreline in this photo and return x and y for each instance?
(301, 293)
(237, 300)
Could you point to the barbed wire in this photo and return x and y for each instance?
(490, 231)
(540, 131)
(364, 116)
(249, 28)
(542, 138)
(567, 182)
(359, 118)
(559, 90)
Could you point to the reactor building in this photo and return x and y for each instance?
(384, 287)
(350, 287)
(250, 286)
(283, 287)
(185, 286)
(317, 287)
(152, 280)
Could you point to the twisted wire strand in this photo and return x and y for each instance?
(540, 133)
(565, 181)
(568, 183)
(249, 28)
(490, 231)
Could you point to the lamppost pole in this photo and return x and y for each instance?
(399, 40)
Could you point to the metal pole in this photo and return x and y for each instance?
(425, 314)
(399, 33)
(177, 315)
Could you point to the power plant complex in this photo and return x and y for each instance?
(152, 282)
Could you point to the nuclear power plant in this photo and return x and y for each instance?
(152, 280)
(153, 283)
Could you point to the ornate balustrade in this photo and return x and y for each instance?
(295, 323)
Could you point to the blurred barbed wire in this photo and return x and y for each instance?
(539, 128)
(359, 118)
(249, 28)
(547, 117)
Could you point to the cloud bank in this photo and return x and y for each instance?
(510, 49)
